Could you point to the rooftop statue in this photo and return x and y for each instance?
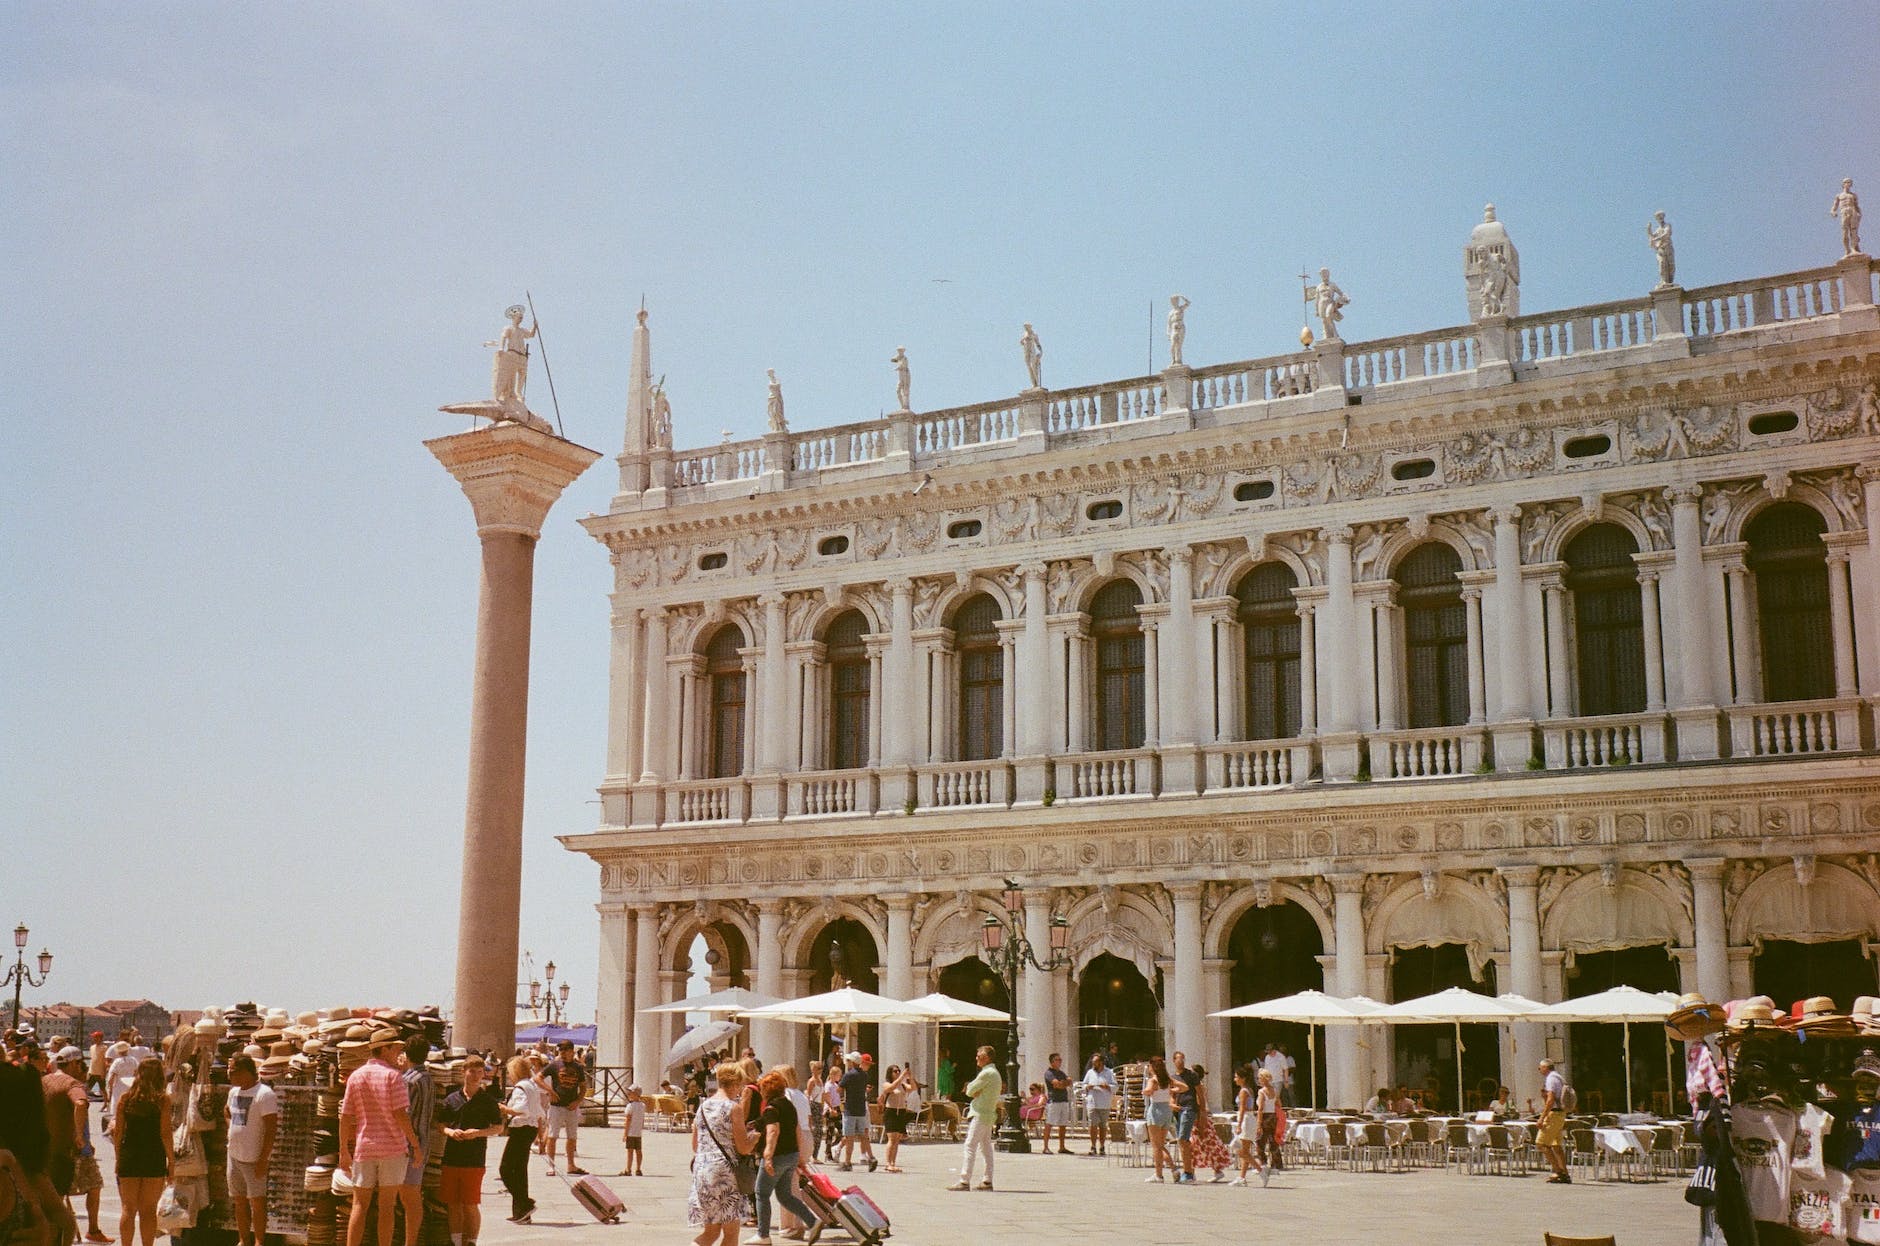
(1494, 288)
(1034, 356)
(1177, 328)
(1846, 209)
(509, 378)
(1658, 233)
(773, 405)
(903, 380)
(1328, 303)
(1489, 242)
(662, 416)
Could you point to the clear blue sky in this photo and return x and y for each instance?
(249, 249)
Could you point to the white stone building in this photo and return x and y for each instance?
(1533, 654)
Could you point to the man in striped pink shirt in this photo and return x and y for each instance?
(375, 1136)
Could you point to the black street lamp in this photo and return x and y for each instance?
(1008, 950)
(20, 975)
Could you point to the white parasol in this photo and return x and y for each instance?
(1456, 1006)
(1622, 1005)
(1310, 1009)
(945, 1008)
(700, 1038)
(732, 999)
(845, 1005)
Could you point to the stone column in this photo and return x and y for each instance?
(1034, 660)
(1742, 637)
(1390, 690)
(1338, 649)
(1654, 641)
(1695, 700)
(1151, 683)
(1511, 680)
(1478, 671)
(899, 1043)
(1038, 1031)
(1345, 1071)
(656, 730)
(1308, 669)
(1841, 624)
(1712, 935)
(649, 1048)
(898, 729)
(1185, 999)
(625, 686)
(771, 1038)
(1178, 645)
(512, 475)
(773, 670)
(613, 998)
(1559, 662)
(1524, 976)
(1866, 586)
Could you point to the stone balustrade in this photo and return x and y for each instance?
(1795, 727)
(1611, 740)
(1443, 358)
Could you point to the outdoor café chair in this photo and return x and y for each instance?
(1560, 1239)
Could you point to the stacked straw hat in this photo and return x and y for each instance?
(1758, 1012)
(1817, 1017)
(1866, 1016)
(1694, 1018)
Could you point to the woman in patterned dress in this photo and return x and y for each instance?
(719, 1132)
(1210, 1151)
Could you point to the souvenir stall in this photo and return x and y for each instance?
(305, 1059)
(1788, 1120)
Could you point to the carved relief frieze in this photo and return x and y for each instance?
(1011, 519)
(875, 537)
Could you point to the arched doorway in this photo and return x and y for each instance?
(1787, 971)
(1426, 1054)
(972, 980)
(1596, 1066)
(844, 954)
(1275, 952)
(1115, 1004)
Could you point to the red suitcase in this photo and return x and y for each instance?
(601, 1203)
(820, 1182)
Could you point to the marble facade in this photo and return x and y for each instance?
(1720, 812)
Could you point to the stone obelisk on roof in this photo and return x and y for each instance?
(512, 470)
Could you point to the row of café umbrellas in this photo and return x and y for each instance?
(846, 1006)
(1456, 1006)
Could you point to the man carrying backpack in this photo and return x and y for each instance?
(1553, 1127)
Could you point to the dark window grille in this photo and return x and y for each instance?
(1608, 623)
(982, 679)
(848, 691)
(1269, 621)
(724, 676)
(1117, 630)
(1790, 564)
(1436, 638)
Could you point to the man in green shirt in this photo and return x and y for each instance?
(982, 1110)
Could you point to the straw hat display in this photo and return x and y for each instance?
(1818, 1019)
(1866, 1016)
(1694, 1018)
(1756, 1012)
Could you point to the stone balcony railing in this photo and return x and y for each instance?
(1496, 350)
(1771, 733)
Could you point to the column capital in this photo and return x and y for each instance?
(1520, 875)
(1346, 884)
(512, 474)
(1340, 535)
(1472, 593)
(1706, 869)
(653, 614)
(613, 908)
(768, 905)
(1033, 569)
(1505, 516)
(1184, 892)
(899, 585)
(771, 600)
(1179, 553)
(1869, 472)
(1684, 495)
(899, 901)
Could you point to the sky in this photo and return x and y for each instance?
(250, 250)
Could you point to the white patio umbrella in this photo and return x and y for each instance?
(845, 1005)
(1623, 1005)
(1454, 1007)
(699, 1038)
(945, 1008)
(732, 999)
(1310, 1009)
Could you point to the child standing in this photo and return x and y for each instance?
(634, 1128)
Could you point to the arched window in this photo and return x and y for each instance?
(1117, 630)
(724, 680)
(982, 678)
(1269, 620)
(848, 691)
(1436, 637)
(1609, 636)
(1789, 561)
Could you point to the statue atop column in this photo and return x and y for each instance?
(773, 404)
(1658, 233)
(662, 417)
(1034, 355)
(509, 378)
(1177, 328)
(903, 379)
(1492, 297)
(1328, 303)
(1846, 209)
(1489, 245)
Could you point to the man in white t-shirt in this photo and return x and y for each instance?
(254, 1116)
(632, 1132)
(1274, 1063)
(1286, 1082)
(1550, 1139)
(1099, 1093)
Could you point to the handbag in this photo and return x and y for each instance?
(743, 1167)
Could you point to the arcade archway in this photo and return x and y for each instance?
(1596, 1064)
(972, 980)
(1115, 1005)
(1275, 952)
(1425, 1055)
(843, 953)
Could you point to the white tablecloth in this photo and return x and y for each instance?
(1618, 1141)
(1517, 1134)
(1313, 1135)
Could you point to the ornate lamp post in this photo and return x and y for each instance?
(20, 976)
(1008, 951)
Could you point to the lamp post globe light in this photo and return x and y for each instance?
(1008, 950)
(20, 976)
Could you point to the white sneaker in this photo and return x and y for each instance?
(1154, 1179)
(1219, 1177)
(1238, 1181)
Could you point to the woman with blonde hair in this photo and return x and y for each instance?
(141, 1132)
(1159, 1115)
(525, 1110)
(719, 1134)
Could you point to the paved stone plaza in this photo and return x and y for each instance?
(1076, 1199)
